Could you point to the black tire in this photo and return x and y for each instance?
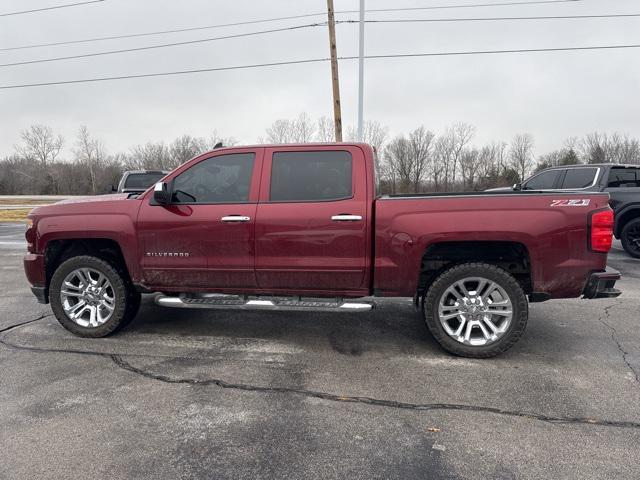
(127, 300)
(630, 238)
(505, 280)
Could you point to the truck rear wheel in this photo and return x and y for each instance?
(90, 298)
(476, 310)
(630, 238)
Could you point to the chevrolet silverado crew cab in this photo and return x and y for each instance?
(301, 227)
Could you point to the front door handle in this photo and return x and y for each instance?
(345, 217)
(235, 218)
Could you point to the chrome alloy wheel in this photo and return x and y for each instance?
(87, 297)
(475, 311)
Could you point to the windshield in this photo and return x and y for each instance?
(142, 181)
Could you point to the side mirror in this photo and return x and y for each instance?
(517, 187)
(114, 188)
(161, 193)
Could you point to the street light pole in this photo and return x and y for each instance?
(361, 76)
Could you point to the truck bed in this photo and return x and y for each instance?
(551, 227)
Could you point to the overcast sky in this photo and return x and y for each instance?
(551, 95)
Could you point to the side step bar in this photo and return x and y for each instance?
(246, 302)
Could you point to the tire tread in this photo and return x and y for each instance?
(125, 310)
(519, 320)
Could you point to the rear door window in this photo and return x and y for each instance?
(311, 176)
(543, 181)
(579, 178)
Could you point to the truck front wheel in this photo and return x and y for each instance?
(90, 298)
(476, 310)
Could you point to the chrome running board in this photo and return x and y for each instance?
(247, 302)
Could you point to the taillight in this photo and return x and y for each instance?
(30, 236)
(601, 231)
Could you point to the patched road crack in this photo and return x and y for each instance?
(27, 322)
(120, 362)
(614, 337)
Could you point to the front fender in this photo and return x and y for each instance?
(117, 227)
(630, 210)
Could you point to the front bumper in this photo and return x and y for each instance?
(601, 285)
(41, 294)
(35, 272)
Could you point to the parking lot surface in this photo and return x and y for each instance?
(212, 394)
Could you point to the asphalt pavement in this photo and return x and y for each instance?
(211, 394)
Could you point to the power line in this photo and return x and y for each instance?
(494, 19)
(310, 25)
(318, 60)
(53, 7)
(473, 5)
(276, 19)
(164, 45)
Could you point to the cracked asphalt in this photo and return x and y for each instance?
(197, 394)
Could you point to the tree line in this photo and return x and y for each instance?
(416, 162)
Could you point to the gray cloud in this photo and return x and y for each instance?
(551, 95)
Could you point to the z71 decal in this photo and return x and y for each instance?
(584, 202)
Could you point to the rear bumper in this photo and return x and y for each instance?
(601, 285)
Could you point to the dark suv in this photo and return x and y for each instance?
(621, 181)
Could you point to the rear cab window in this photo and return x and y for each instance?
(308, 176)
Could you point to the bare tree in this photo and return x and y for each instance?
(592, 148)
(521, 154)
(448, 151)
(397, 164)
(280, 131)
(616, 148)
(470, 162)
(303, 129)
(150, 156)
(373, 133)
(492, 165)
(216, 138)
(420, 141)
(406, 159)
(40, 143)
(17, 176)
(299, 130)
(325, 131)
(90, 153)
(440, 165)
(184, 148)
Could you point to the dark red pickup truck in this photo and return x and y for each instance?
(301, 227)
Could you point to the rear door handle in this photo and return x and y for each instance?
(346, 218)
(235, 218)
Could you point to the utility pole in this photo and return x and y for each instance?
(337, 114)
(361, 76)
